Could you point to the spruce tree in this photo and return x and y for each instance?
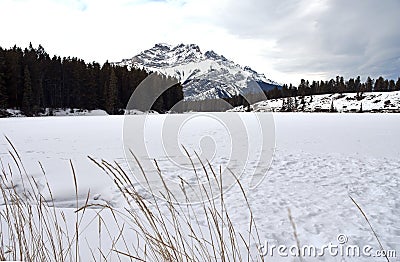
(3, 92)
(289, 104)
(14, 76)
(111, 93)
(3, 89)
(351, 85)
(332, 109)
(357, 84)
(302, 88)
(341, 86)
(368, 85)
(379, 84)
(392, 85)
(284, 107)
(27, 98)
(397, 88)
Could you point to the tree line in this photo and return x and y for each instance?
(307, 88)
(333, 86)
(32, 81)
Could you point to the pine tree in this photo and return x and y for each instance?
(379, 84)
(285, 90)
(386, 85)
(284, 107)
(397, 88)
(392, 85)
(302, 88)
(357, 84)
(111, 93)
(351, 85)
(90, 91)
(3, 92)
(340, 85)
(14, 76)
(27, 99)
(289, 104)
(3, 89)
(314, 88)
(332, 109)
(368, 85)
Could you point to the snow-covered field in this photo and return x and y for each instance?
(320, 160)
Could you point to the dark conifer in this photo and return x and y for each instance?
(3, 89)
(111, 93)
(27, 98)
(397, 88)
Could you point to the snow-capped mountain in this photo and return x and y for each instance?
(203, 75)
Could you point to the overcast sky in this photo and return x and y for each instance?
(285, 40)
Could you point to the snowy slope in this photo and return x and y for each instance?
(204, 75)
(347, 102)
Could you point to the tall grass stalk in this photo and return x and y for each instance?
(148, 228)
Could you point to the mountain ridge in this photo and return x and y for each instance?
(207, 75)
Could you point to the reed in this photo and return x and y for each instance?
(149, 228)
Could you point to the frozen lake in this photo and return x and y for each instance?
(319, 160)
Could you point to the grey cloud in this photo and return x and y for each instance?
(358, 37)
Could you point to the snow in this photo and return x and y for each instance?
(346, 102)
(319, 160)
(79, 112)
(61, 112)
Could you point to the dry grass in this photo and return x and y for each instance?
(370, 226)
(174, 232)
(148, 228)
(31, 229)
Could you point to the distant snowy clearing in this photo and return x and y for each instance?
(320, 160)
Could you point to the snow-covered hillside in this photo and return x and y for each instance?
(204, 75)
(347, 102)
